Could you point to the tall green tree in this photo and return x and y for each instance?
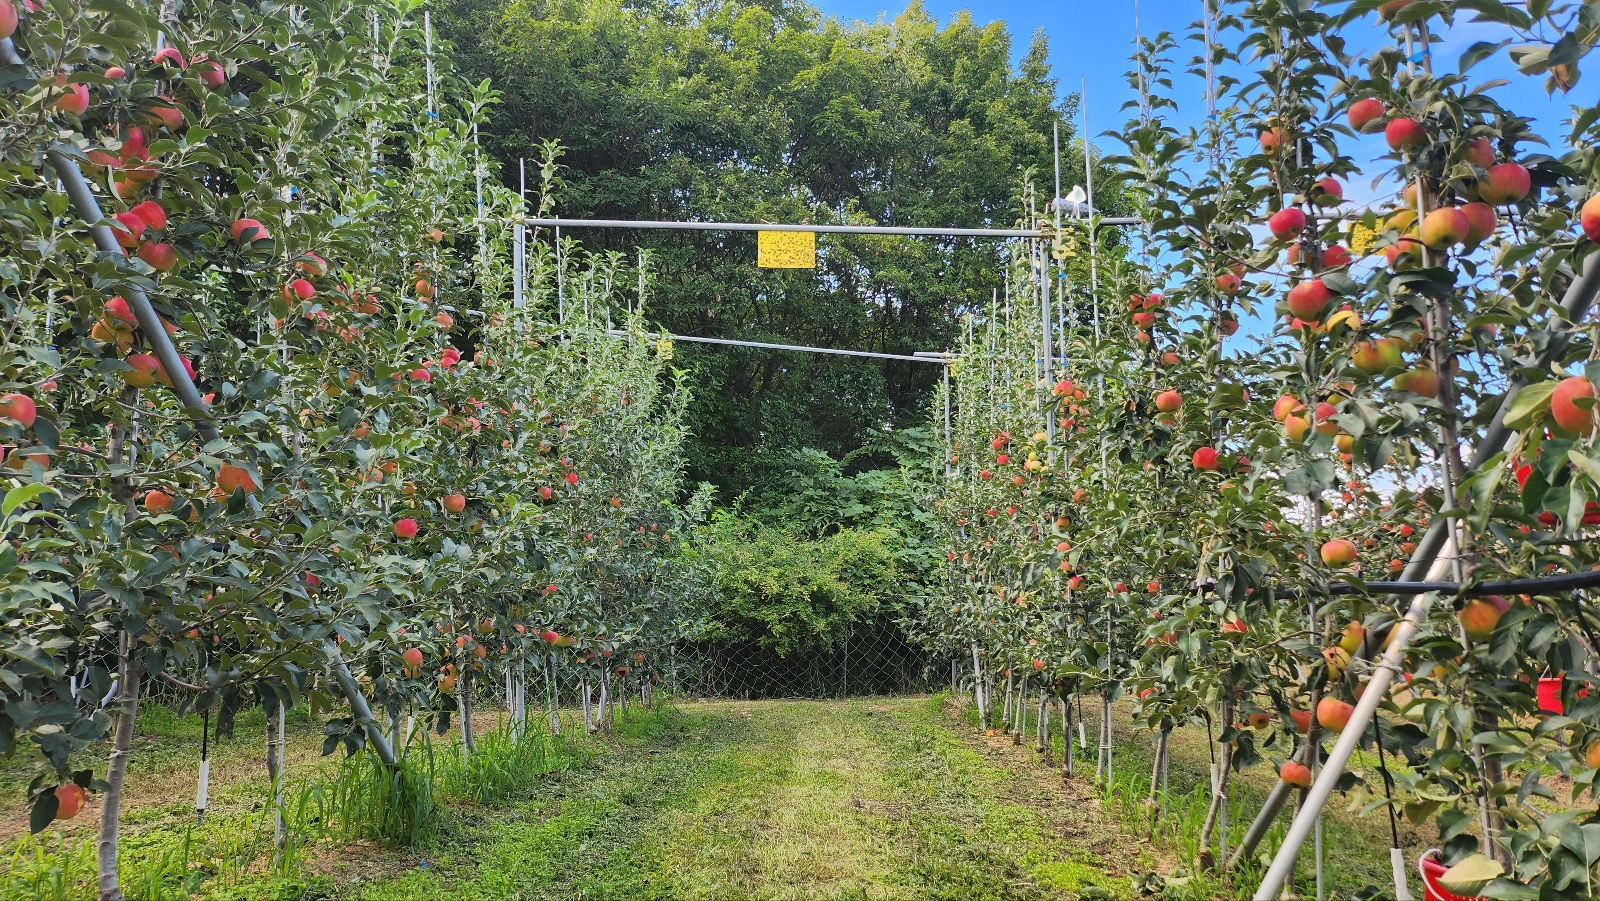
(765, 110)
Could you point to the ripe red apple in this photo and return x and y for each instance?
(1421, 381)
(1480, 615)
(1228, 283)
(1589, 218)
(572, 478)
(231, 478)
(1295, 774)
(1365, 114)
(299, 289)
(1205, 458)
(455, 503)
(212, 74)
(8, 19)
(1505, 183)
(1287, 223)
(1302, 720)
(146, 370)
(74, 100)
(406, 528)
(1403, 133)
(1479, 152)
(1296, 427)
(1286, 405)
(1328, 192)
(169, 56)
(159, 255)
(1273, 140)
(1334, 256)
(1481, 222)
(70, 799)
(1325, 413)
(412, 657)
(1334, 714)
(545, 492)
(1153, 588)
(1144, 320)
(1169, 401)
(1568, 414)
(126, 228)
(248, 231)
(1373, 357)
(1308, 299)
(421, 374)
(19, 408)
(157, 501)
(1444, 228)
(1338, 552)
(151, 213)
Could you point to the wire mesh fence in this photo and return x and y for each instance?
(867, 659)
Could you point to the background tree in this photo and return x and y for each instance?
(768, 111)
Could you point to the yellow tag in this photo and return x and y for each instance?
(664, 349)
(786, 250)
(1362, 239)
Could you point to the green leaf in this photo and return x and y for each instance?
(44, 812)
(1471, 875)
(22, 494)
(1529, 405)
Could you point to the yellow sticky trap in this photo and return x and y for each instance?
(786, 250)
(1362, 239)
(664, 349)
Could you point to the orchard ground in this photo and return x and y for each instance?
(870, 798)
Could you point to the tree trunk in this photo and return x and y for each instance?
(280, 829)
(468, 743)
(129, 679)
(1158, 794)
(1066, 738)
(1041, 729)
(1005, 714)
(583, 690)
(1022, 711)
(1219, 790)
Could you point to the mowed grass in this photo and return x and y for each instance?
(884, 798)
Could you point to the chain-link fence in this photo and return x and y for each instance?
(866, 659)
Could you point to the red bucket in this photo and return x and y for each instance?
(1431, 869)
(1550, 695)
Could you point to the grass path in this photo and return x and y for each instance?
(857, 799)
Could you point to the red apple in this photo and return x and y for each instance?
(1295, 774)
(1286, 405)
(1169, 401)
(127, 228)
(1421, 381)
(1273, 140)
(74, 100)
(1365, 114)
(1287, 223)
(159, 255)
(20, 409)
(1334, 714)
(212, 74)
(157, 501)
(1444, 228)
(8, 19)
(1373, 357)
(1480, 615)
(151, 212)
(1338, 552)
(1309, 298)
(146, 370)
(249, 231)
(70, 799)
(1228, 283)
(299, 289)
(1205, 458)
(455, 503)
(412, 657)
(1481, 222)
(572, 478)
(406, 528)
(1403, 133)
(1505, 183)
(1479, 152)
(1328, 192)
(169, 56)
(1589, 218)
(232, 478)
(1568, 414)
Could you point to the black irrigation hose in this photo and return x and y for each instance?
(1541, 585)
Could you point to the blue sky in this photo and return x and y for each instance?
(1093, 39)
